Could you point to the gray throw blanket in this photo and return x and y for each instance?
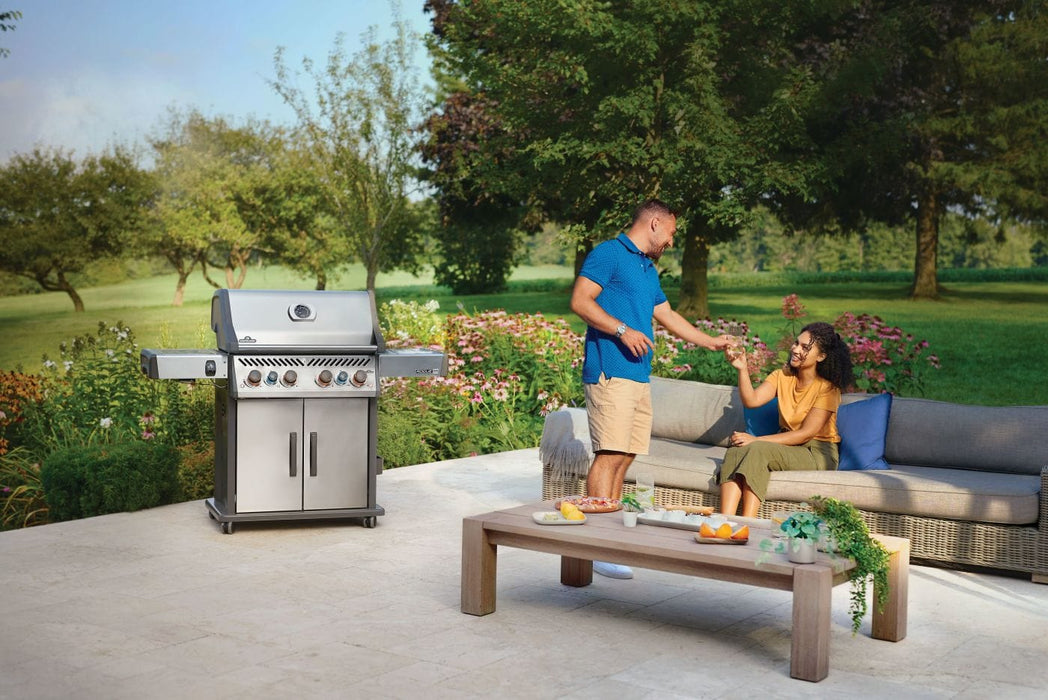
(565, 445)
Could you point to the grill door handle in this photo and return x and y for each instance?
(312, 454)
(293, 455)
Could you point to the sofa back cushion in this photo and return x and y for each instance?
(986, 438)
(695, 411)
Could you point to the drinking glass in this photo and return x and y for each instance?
(645, 490)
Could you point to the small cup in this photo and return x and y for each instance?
(675, 516)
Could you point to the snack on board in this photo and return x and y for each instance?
(591, 504)
(724, 532)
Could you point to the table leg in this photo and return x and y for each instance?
(810, 641)
(479, 559)
(890, 623)
(576, 572)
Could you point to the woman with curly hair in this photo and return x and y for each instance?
(809, 392)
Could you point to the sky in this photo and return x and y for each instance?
(86, 74)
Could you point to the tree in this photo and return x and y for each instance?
(227, 193)
(600, 105)
(58, 215)
(930, 107)
(7, 24)
(358, 126)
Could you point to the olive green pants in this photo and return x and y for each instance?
(755, 462)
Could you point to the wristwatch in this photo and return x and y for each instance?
(620, 330)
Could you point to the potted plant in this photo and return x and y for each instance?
(631, 509)
(837, 527)
(804, 531)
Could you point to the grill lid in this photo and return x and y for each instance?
(263, 321)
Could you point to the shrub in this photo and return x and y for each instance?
(94, 392)
(505, 372)
(17, 390)
(84, 481)
(886, 359)
(22, 502)
(677, 359)
(196, 471)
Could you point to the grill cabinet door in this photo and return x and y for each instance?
(335, 454)
(269, 455)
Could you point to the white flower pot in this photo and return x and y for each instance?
(629, 518)
(800, 551)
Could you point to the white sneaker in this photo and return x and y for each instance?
(612, 570)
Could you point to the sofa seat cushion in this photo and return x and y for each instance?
(680, 465)
(948, 494)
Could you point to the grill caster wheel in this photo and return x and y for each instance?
(370, 521)
(227, 528)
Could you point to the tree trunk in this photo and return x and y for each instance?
(321, 279)
(694, 280)
(925, 269)
(183, 276)
(372, 266)
(63, 285)
(180, 289)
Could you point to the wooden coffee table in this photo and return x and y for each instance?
(604, 538)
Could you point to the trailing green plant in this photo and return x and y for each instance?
(22, 502)
(851, 538)
(87, 480)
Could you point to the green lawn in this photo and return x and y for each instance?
(990, 336)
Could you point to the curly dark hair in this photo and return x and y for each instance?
(836, 367)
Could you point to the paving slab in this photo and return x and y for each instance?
(160, 604)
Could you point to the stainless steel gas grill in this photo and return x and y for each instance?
(296, 388)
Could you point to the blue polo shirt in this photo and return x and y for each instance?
(630, 291)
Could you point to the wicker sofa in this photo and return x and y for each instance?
(965, 484)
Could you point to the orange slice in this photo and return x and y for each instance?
(743, 533)
(724, 531)
(706, 531)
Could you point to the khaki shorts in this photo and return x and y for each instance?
(619, 413)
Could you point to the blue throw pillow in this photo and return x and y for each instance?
(762, 420)
(862, 426)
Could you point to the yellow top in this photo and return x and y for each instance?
(795, 404)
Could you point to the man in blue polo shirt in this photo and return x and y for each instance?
(618, 294)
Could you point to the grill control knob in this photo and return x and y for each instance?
(271, 378)
(254, 377)
(324, 378)
(360, 377)
(289, 378)
(342, 377)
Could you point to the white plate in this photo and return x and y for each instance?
(552, 517)
(691, 522)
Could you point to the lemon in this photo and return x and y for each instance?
(567, 509)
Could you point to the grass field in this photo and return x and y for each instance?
(989, 335)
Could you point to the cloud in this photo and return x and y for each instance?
(84, 113)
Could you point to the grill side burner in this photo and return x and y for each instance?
(296, 390)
